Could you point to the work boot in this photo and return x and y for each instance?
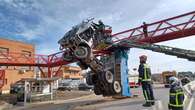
(153, 103)
(147, 104)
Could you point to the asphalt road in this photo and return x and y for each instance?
(161, 96)
(99, 103)
(62, 104)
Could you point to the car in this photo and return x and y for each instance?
(84, 86)
(16, 88)
(65, 86)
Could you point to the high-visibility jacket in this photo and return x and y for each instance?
(176, 97)
(144, 72)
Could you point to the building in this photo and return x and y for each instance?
(15, 73)
(157, 77)
(72, 72)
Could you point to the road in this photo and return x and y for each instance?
(161, 95)
(62, 104)
(100, 103)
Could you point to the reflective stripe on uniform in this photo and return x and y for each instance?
(149, 100)
(146, 96)
(176, 99)
(175, 105)
(179, 93)
(145, 72)
(146, 77)
(146, 80)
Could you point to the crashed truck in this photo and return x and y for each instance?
(78, 45)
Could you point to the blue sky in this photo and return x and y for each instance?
(44, 22)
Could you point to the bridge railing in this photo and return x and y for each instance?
(14, 59)
(160, 28)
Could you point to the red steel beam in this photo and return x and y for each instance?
(164, 30)
(170, 36)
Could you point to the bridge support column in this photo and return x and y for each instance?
(121, 70)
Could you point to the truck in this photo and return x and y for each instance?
(133, 81)
(133, 78)
(166, 75)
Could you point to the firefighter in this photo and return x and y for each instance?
(145, 29)
(145, 80)
(176, 94)
(101, 25)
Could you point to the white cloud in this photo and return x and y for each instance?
(165, 9)
(55, 17)
(84, 14)
(161, 62)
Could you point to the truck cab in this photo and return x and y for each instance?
(166, 75)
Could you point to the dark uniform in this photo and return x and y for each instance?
(145, 79)
(145, 29)
(176, 98)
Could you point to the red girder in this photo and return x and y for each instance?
(164, 30)
(19, 59)
(168, 29)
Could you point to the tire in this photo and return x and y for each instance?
(67, 56)
(117, 87)
(109, 77)
(82, 52)
(97, 91)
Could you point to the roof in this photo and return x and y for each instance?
(23, 42)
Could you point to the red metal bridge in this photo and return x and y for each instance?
(164, 30)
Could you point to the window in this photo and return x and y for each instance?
(26, 53)
(4, 50)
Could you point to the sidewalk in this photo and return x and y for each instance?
(54, 102)
(158, 85)
(5, 106)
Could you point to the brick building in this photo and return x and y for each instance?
(15, 73)
(72, 72)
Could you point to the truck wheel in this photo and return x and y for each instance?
(82, 52)
(67, 56)
(109, 77)
(97, 91)
(117, 87)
